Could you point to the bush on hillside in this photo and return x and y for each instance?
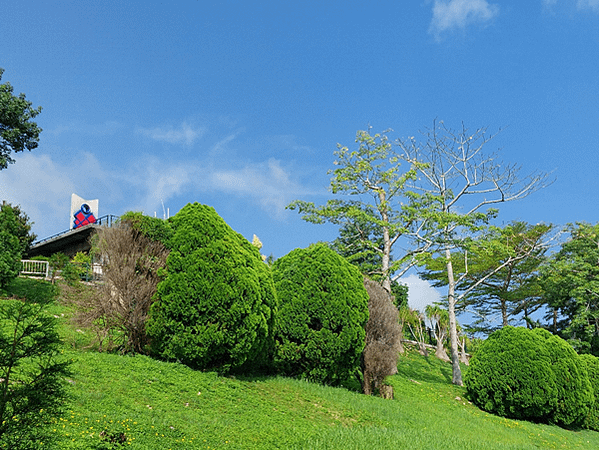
(575, 394)
(591, 363)
(131, 265)
(32, 386)
(151, 227)
(529, 374)
(322, 313)
(383, 336)
(10, 246)
(215, 308)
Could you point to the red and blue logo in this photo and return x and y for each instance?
(84, 216)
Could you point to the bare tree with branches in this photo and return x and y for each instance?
(458, 184)
(130, 267)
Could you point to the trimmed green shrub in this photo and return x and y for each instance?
(215, 307)
(529, 374)
(592, 365)
(322, 313)
(575, 394)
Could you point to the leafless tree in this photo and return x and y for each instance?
(130, 271)
(458, 183)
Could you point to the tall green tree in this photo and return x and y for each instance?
(15, 238)
(18, 131)
(458, 183)
(376, 215)
(356, 242)
(571, 287)
(497, 273)
(22, 230)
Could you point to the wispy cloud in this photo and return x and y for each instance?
(581, 5)
(588, 4)
(107, 128)
(184, 134)
(43, 186)
(459, 14)
(268, 183)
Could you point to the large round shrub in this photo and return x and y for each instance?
(322, 313)
(575, 394)
(215, 308)
(592, 365)
(529, 374)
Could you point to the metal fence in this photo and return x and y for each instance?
(36, 268)
(106, 221)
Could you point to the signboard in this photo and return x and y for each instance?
(83, 212)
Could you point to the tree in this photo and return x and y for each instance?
(216, 306)
(518, 250)
(356, 241)
(382, 340)
(18, 132)
(322, 314)
(23, 229)
(456, 181)
(131, 265)
(11, 248)
(570, 284)
(31, 374)
(439, 319)
(378, 218)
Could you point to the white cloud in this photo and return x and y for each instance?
(420, 292)
(267, 182)
(185, 134)
(43, 188)
(458, 14)
(581, 5)
(588, 4)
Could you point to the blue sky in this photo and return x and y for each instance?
(240, 105)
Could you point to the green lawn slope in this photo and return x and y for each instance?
(140, 403)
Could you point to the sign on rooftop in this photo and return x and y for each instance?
(83, 212)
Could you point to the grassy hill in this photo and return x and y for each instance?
(137, 402)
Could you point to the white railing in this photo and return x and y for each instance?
(30, 267)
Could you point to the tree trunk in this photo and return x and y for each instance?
(440, 352)
(453, 331)
(386, 260)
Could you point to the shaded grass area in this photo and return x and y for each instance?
(137, 402)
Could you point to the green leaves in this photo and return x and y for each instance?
(17, 130)
(31, 374)
(216, 306)
(323, 310)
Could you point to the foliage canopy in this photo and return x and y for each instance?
(18, 132)
(530, 374)
(215, 307)
(322, 314)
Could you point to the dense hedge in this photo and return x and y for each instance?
(322, 313)
(592, 365)
(529, 374)
(216, 306)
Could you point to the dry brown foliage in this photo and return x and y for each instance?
(130, 263)
(383, 335)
